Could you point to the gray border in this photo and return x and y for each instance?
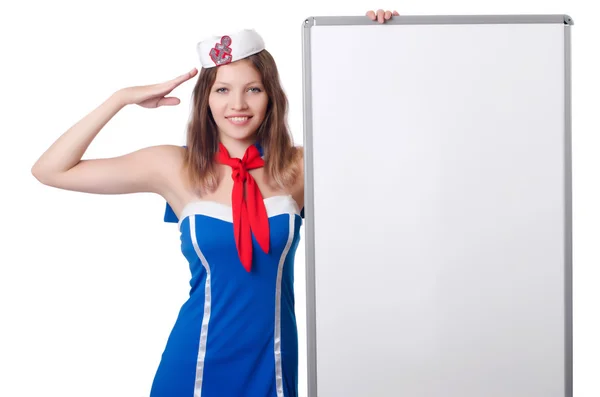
(309, 230)
(568, 220)
(309, 175)
(441, 19)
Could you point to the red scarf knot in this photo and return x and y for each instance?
(249, 212)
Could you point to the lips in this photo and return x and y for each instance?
(239, 120)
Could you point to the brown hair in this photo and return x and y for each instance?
(273, 134)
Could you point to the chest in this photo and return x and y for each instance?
(223, 192)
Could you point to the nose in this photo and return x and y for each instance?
(238, 101)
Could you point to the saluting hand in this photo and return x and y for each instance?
(154, 95)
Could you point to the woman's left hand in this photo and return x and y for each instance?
(381, 16)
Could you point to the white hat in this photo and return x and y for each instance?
(221, 50)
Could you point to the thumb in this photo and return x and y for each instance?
(168, 101)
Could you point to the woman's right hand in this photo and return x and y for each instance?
(154, 95)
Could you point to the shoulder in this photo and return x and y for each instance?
(171, 153)
(160, 152)
(300, 159)
(168, 152)
(299, 156)
(298, 189)
(161, 157)
(164, 162)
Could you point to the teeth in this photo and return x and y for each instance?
(238, 119)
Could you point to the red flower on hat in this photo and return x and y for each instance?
(221, 53)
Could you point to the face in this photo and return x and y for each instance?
(238, 101)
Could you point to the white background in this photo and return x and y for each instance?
(90, 285)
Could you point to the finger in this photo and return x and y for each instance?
(172, 84)
(388, 15)
(396, 14)
(371, 15)
(380, 16)
(188, 75)
(168, 101)
(185, 76)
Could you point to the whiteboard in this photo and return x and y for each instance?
(438, 206)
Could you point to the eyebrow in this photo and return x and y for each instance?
(252, 82)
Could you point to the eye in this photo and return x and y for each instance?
(256, 89)
(219, 89)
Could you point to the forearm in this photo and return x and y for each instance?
(68, 149)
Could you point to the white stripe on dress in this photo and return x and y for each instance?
(206, 316)
(278, 368)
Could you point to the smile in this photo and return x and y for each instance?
(239, 120)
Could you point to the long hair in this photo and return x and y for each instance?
(273, 135)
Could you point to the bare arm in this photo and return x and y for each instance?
(61, 165)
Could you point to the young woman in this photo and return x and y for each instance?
(236, 190)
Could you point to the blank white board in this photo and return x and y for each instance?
(438, 206)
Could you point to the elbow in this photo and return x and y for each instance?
(39, 174)
(35, 171)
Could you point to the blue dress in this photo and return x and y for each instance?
(236, 334)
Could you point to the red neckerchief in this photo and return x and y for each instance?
(249, 212)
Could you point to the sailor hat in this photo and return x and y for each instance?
(221, 50)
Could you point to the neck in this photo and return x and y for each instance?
(235, 147)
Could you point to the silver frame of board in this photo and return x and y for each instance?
(308, 142)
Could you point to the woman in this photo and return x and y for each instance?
(236, 190)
